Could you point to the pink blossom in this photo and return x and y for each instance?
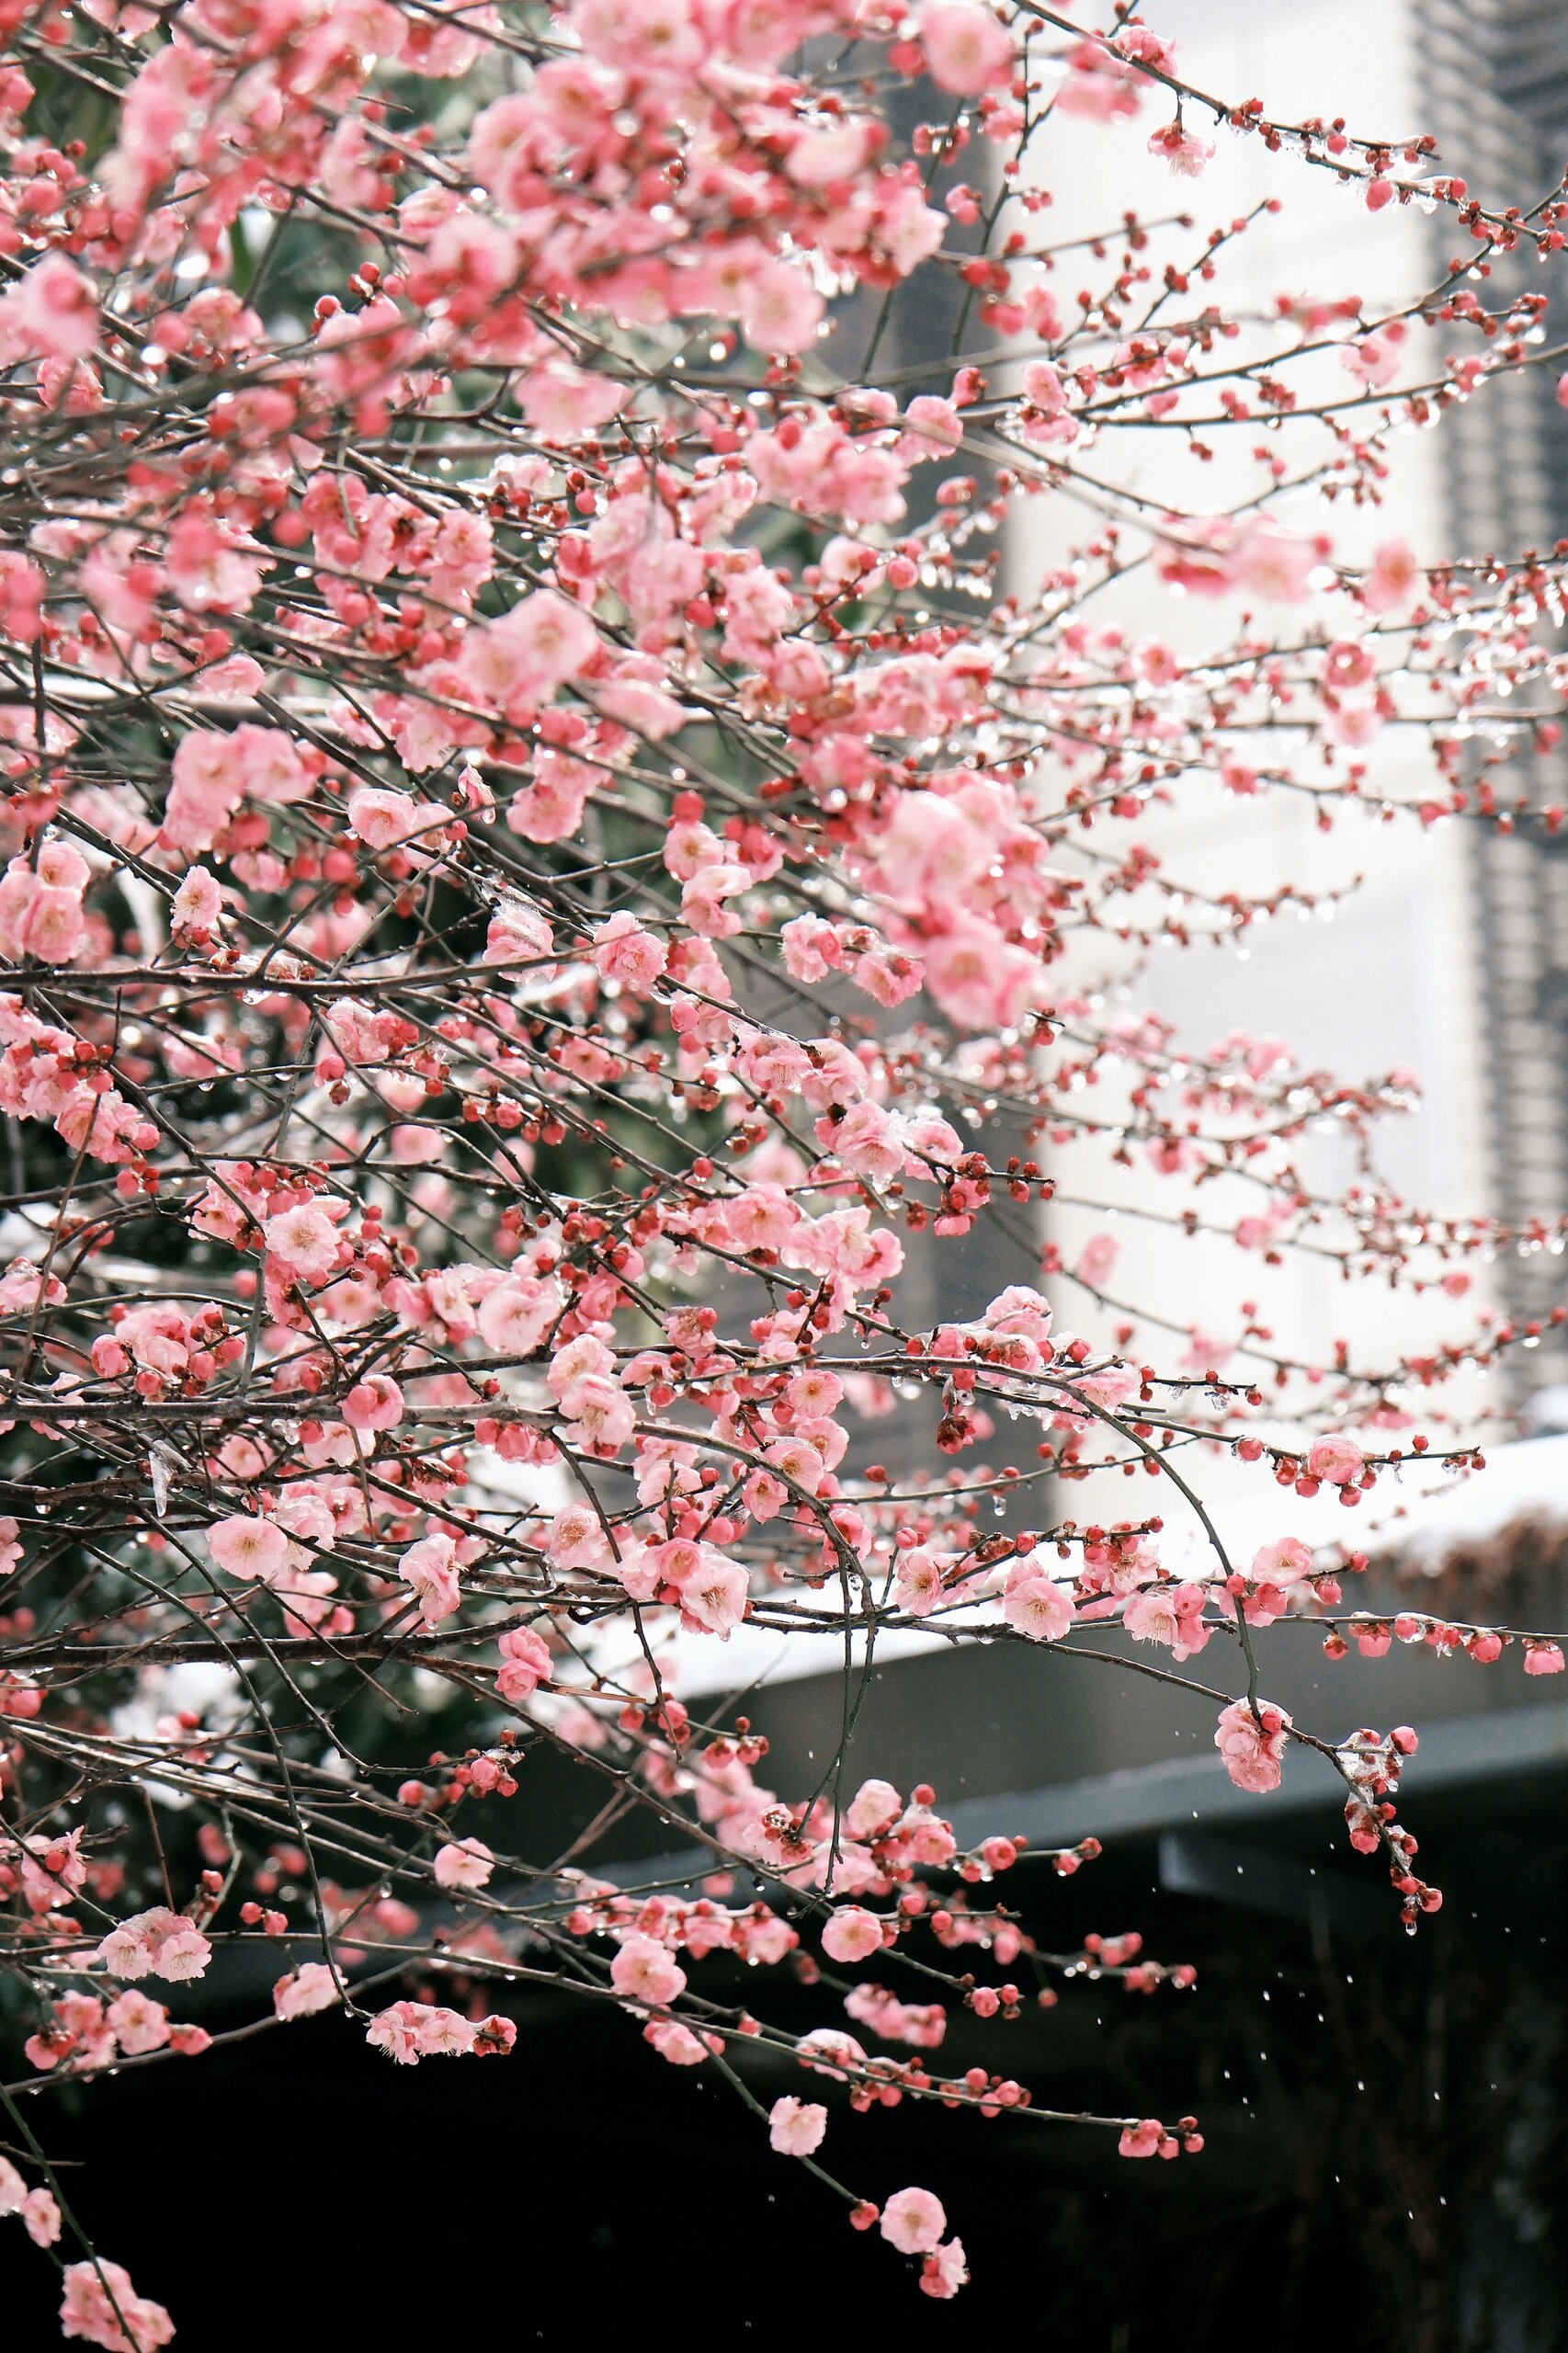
(305, 1990)
(41, 2217)
(914, 2220)
(1035, 1606)
(430, 1568)
(1253, 1747)
(944, 2272)
(159, 1942)
(409, 2031)
(520, 660)
(566, 403)
(917, 1581)
(966, 49)
(1170, 1614)
(139, 2023)
(1284, 1560)
(52, 310)
(780, 308)
(1184, 151)
(677, 2044)
(713, 1591)
(515, 1317)
(1337, 1461)
(1393, 580)
(874, 1806)
(95, 2292)
(468, 1864)
(373, 1404)
(526, 1663)
(304, 1241)
(626, 954)
(852, 1934)
(1097, 1260)
(643, 1972)
(1273, 563)
(198, 903)
(795, 2127)
(248, 1548)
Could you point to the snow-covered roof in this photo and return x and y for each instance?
(1422, 1515)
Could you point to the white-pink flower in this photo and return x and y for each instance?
(98, 2297)
(247, 1548)
(914, 2220)
(467, 1863)
(409, 2031)
(795, 2127)
(1251, 1746)
(430, 1567)
(853, 1934)
(305, 1990)
(157, 1943)
(1335, 1460)
(515, 1317)
(303, 1241)
(967, 51)
(643, 1972)
(1036, 1607)
(139, 2023)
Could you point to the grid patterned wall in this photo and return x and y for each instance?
(1495, 80)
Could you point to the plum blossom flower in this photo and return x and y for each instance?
(1035, 1606)
(101, 2307)
(1170, 1614)
(1184, 151)
(52, 310)
(409, 2031)
(519, 661)
(247, 1548)
(1337, 1461)
(198, 903)
(465, 1864)
(157, 1943)
(1252, 1747)
(303, 1241)
(526, 1663)
(914, 2220)
(1394, 579)
(41, 2217)
(139, 2023)
(430, 1567)
(780, 308)
(967, 51)
(515, 1317)
(643, 1972)
(796, 2127)
(917, 1581)
(874, 1806)
(1097, 1260)
(305, 1990)
(713, 1591)
(1283, 1562)
(944, 2272)
(624, 952)
(853, 1934)
(677, 2044)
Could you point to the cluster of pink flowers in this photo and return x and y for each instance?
(530, 918)
(409, 2031)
